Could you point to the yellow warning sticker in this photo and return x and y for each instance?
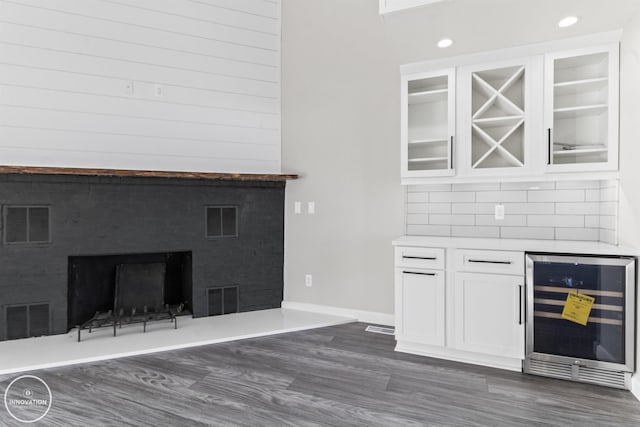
(577, 308)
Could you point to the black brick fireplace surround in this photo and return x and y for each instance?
(102, 216)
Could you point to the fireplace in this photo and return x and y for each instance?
(92, 282)
(222, 243)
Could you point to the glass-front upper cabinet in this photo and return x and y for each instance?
(498, 117)
(428, 124)
(581, 109)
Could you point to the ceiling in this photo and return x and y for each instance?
(478, 25)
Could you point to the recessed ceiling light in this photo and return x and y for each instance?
(567, 21)
(445, 43)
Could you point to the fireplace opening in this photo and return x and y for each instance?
(92, 282)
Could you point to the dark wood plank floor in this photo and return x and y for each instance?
(335, 376)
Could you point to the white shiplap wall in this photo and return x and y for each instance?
(189, 85)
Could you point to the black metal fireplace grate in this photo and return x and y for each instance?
(139, 298)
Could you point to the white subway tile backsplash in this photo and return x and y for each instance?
(592, 221)
(449, 197)
(608, 222)
(609, 208)
(563, 210)
(467, 231)
(555, 221)
(557, 196)
(583, 234)
(546, 233)
(609, 194)
(579, 208)
(592, 195)
(418, 208)
(428, 188)
(438, 219)
(421, 197)
(546, 185)
(570, 185)
(429, 230)
(481, 186)
(608, 236)
(473, 208)
(529, 208)
(508, 221)
(502, 196)
(418, 219)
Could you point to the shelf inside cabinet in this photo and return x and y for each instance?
(580, 86)
(489, 122)
(428, 96)
(582, 110)
(584, 67)
(560, 149)
(428, 159)
(429, 141)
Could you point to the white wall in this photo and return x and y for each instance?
(67, 66)
(629, 218)
(340, 132)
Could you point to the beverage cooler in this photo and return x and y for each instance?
(580, 318)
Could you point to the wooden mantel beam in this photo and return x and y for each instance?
(145, 173)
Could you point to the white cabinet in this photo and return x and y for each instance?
(488, 314)
(535, 112)
(581, 109)
(420, 295)
(420, 305)
(456, 310)
(498, 116)
(489, 302)
(428, 125)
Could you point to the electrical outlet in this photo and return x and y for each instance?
(308, 280)
(158, 91)
(499, 212)
(311, 207)
(297, 207)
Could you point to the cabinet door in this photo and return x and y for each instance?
(428, 125)
(489, 314)
(420, 306)
(581, 109)
(498, 115)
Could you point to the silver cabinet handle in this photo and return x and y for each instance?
(420, 274)
(451, 153)
(428, 258)
(485, 261)
(550, 144)
(520, 289)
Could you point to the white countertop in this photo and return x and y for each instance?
(554, 246)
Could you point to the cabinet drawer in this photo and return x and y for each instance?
(429, 258)
(498, 262)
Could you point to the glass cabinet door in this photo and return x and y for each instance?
(428, 124)
(581, 104)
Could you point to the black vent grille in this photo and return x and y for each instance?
(223, 300)
(24, 321)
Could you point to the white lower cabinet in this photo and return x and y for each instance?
(488, 313)
(420, 304)
(469, 310)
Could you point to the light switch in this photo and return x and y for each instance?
(297, 207)
(499, 212)
(311, 207)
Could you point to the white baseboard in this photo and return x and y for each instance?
(635, 386)
(359, 315)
